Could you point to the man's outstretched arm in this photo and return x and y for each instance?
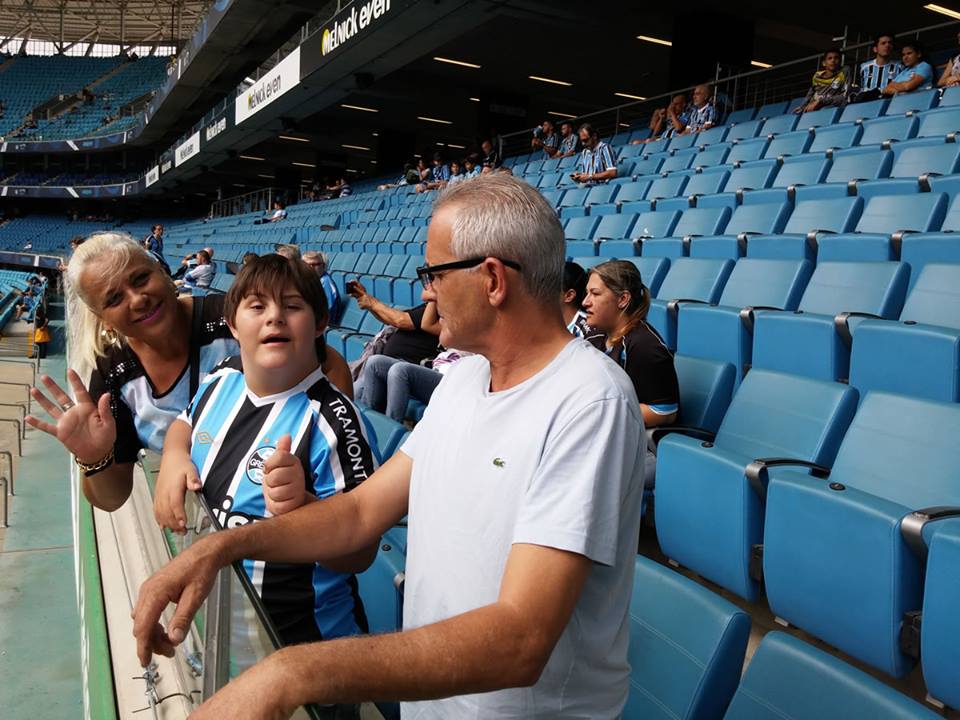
(505, 644)
(325, 532)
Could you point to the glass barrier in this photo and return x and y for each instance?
(233, 631)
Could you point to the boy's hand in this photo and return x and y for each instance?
(283, 481)
(177, 475)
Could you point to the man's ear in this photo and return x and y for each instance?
(569, 296)
(233, 330)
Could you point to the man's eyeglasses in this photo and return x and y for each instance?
(428, 273)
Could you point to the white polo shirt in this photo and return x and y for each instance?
(555, 461)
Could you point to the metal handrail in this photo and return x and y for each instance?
(19, 426)
(4, 515)
(30, 364)
(28, 386)
(9, 456)
(23, 415)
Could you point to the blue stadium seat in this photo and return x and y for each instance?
(783, 123)
(681, 142)
(652, 271)
(712, 155)
(863, 111)
(748, 219)
(809, 342)
(646, 166)
(656, 224)
(725, 332)
(679, 160)
(787, 678)
(389, 433)
(900, 454)
(808, 221)
(706, 387)
(614, 227)
(888, 129)
(913, 102)
(716, 134)
(747, 150)
(688, 279)
(920, 250)
(818, 118)
(744, 130)
(600, 199)
(707, 182)
(942, 122)
(580, 228)
(885, 219)
(587, 262)
(773, 109)
(801, 170)
(950, 97)
(630, 198)
(741, 116)
(668, 187)
(694, 222)
(686, 647)
(915, 164)
(631, 151)
(751, 176)
(940, 652)
(709, 515)
(573, 203)
(839, 137)
(381, 585)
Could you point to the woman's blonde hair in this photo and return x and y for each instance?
(621, 276)
(89, 337)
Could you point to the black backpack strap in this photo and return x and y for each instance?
(196, 328)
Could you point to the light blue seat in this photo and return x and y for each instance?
(686, 647)
(747, 150)
(773, 109)
(808, 221)
(681, 142)
(712, 155)
(668, 187)
(835, 560)
(755, 175)
(940, 652)
(706, 388)
(787, 679)
(629, 199)
(920, 250)
(679, 160)
(688, 279)
(581, 228)
(646, 166)
(707, 182)
(830, 137)
(656, 224)
(652, 271)
(748, 219)
(587, 262)
(912, 102)
(741, 116)
(888, 129)
(916, 163)
(918, 356)
(744, 130)
(863, 111)
(572, 204)
(725, 332)
(389, 433)
(381, 585)
(614, 233)
(716, 134)
(600, 199)
(782, 123)
(801, 170)
(808, 342)
(709, 515)
(818, 118)
(942, 122)
(694, 222)
(885, 219)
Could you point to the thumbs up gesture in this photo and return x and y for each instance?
(284, 488)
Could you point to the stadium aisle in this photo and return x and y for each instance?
(38, 602)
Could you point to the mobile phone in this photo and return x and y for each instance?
(352, 286)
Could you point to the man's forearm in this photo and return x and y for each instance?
(400, 319)
(486, 649)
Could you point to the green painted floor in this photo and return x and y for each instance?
(40, 673)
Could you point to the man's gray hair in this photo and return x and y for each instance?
(503, 217)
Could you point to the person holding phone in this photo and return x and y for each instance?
(597, 163)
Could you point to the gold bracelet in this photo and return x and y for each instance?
(96, 467)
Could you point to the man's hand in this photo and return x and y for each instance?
(257, 694)
(284, 487)
(177, 475)
(186, 580)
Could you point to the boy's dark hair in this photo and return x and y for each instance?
(880, 36)
(269, 275)
(589, 129)
(203, 254)
(575, 278)
(831, 50)
(914, 45)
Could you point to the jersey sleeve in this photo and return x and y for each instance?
(576, 497)
(342, 454)
(127, 446)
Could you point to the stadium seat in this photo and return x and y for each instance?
(835, 137)
(818, 118)
(741, 116)
(888, 129)
(916, 163)
(573, 203)
(712, 155)
(943, 122)
(725, 332)
(773, 109)
(389, 433)
(835, 559)
(747, 150)
(679, 160)
(782, 123)
(863, 111)
(686, 647)
(709, 514)
(849, 168)
(808, 221)
(381, 585)
(681, 142)
(746, 220)
(787, 678)
(652, 271)
(687, 279)
(912, 102)
(668, 187)
(940, 652)
(706, 387)
(920, 250)
(809, 342)
(693, 223)
(801, 170)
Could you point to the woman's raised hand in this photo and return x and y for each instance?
(86, 428)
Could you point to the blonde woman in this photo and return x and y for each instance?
(146, 350)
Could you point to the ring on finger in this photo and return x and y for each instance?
(67, 405)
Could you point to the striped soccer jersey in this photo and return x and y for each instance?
(233, 434)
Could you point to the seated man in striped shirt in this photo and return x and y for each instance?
(876, 74)
(267, 433)
(703, 114)
(597, 162)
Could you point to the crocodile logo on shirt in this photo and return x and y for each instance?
(499, 462)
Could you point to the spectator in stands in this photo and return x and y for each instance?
(916, 72)
(491, 158)
(423, 169)
(277, 313)
(528, 462)
(951, 71)
(829, 86)
(617, 302)
(572, 293)
(396, 382)
(668, 121)
(410, 176)
(249, 257)
(544, 138)
(456, 173)
(41, 330)
(130, 329)
(876, 74)
(439, 175)
(200, 275)
(340, 188)
(318, 263)
(703, 114)
(569, 142)
(597, 163)
(471, 166)
(290, 251)
(279, 213)
(154, 241)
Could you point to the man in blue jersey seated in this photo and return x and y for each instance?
(522, 486)
(267, 433)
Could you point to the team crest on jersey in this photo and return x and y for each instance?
(255, 463)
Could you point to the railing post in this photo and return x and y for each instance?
(216, 635)
(6, 501)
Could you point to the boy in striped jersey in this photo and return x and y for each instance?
(267, 433)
